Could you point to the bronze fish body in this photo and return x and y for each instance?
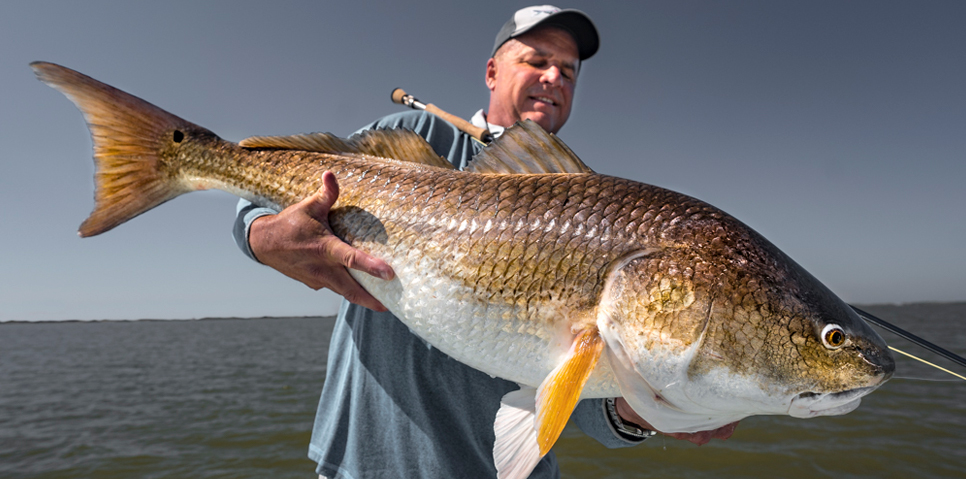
(528, 266)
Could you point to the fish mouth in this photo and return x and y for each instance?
(813, 404)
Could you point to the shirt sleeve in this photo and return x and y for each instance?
(590, 416)
(245, 213)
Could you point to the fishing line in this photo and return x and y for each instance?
(913, 338)
(927, 362)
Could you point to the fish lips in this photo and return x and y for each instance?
(811, 404)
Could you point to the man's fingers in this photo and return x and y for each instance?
(704, 437)
(700, 438)
(354, 259)
(724, 432)
(370, 265)
(299, 243)
(364, 299)
(346, 286)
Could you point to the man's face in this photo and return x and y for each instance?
(533, 77)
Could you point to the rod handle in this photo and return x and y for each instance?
(401, 97)
(467, 127)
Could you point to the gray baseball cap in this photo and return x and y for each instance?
(575, 22)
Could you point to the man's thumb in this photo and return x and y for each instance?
(319, 204)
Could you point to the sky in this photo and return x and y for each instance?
(835, 129)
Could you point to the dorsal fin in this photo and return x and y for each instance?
(527, 148)
(399, 144)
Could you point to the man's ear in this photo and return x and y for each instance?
(491, 74)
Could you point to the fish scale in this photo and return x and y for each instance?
(497, 288)
(529, 266)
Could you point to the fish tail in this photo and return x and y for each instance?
(129, 135)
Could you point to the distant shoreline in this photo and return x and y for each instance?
(48, 321)
(60, 321)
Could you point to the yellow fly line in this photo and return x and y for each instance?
(927, 362)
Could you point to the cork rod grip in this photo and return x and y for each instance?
(463, 125)
(401, 97)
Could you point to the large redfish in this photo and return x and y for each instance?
(528, 266)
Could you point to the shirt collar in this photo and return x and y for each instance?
(479, 119)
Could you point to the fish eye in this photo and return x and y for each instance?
(178, 136)
(833, 336)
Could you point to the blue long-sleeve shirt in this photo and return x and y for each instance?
(394, 406)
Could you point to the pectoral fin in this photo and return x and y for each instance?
(530, 420)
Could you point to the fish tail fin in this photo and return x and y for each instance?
(129, 135)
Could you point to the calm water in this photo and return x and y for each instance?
(236, 398)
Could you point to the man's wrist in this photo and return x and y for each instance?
(245, 213)
(248, 237)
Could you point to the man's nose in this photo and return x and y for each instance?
(552, 75)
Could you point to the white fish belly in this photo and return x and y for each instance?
(488, 336)
(485, 336)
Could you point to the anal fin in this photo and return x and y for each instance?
(530, 421)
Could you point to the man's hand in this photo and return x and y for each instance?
(700, 438)
(299, 243)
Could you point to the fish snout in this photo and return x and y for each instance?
(880, 359)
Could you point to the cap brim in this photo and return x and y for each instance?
(579, 25)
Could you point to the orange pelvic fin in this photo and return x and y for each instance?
(530, 420)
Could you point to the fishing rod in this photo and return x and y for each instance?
(911, 337)
(480, 134)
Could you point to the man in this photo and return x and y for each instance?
(393, 406)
